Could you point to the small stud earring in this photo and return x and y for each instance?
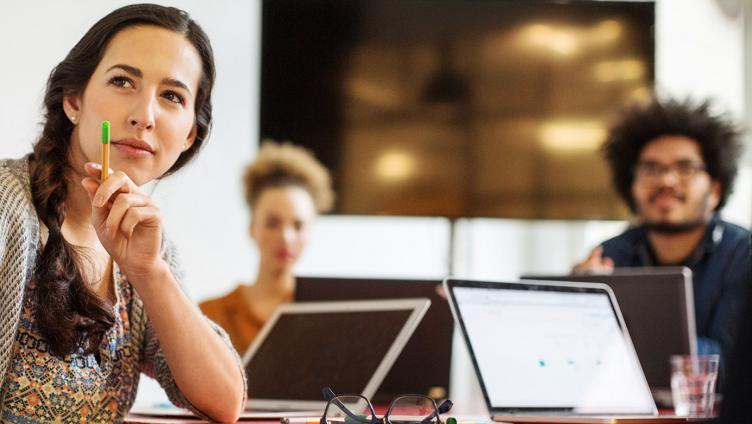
(73, 119)
(185, 146)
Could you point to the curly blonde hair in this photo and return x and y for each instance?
(284, 164)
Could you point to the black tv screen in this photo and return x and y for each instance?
(457, 108)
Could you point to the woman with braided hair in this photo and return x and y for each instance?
(89, 284)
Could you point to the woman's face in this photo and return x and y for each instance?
(145, 85)
(280, 225)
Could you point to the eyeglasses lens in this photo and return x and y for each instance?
(348, 410)
(412, 410)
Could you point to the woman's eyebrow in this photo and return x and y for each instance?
(176, 83)
(137, 73)
(127, 68)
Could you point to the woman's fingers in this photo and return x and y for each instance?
(122, 204)
(117, 182)
(119, 204)
(143, 215)
(94, 170)
(90, 185)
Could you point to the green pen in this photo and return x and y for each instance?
(105, 150)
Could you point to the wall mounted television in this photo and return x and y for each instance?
(457, 108)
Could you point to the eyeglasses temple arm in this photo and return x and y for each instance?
(442, 409)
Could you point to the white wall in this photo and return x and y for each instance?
(699, 52)
(381, 247)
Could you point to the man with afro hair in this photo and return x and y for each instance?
(674, 163)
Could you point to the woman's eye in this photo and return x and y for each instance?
(173, 97)
(121, 81)
(272, 224)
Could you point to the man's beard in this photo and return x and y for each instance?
(674, 228)
(668, 228)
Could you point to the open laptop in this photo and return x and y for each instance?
(658, 308)
(423, 365)
(550, 351)
(348, 346)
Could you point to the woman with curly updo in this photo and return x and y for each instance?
(285, 188)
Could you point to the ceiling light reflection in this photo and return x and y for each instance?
(395, 166)
(572, 135)
(607, 31)
(619, 70)
(559, 40)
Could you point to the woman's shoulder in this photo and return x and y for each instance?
(233, 298)
(15, 187)
(19, 225)
(18, 241)
(16, 168)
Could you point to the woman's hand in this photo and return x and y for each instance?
(127, 222)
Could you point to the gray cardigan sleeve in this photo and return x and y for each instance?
(153, 362)
(19, 238)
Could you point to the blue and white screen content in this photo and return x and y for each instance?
(542, 349)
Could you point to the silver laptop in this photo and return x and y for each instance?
(550, 349)
(658, 308)
(304, 347)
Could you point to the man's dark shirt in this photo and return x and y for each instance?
(735, 407)
(721, 274)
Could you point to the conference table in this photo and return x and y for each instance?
(664, 418)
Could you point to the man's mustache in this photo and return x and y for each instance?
(668, 192)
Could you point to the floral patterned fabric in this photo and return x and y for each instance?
(33, 383)
(98, 387)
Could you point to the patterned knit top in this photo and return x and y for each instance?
(38, 386)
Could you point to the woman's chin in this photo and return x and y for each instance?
(283, 266)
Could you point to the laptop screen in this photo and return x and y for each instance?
(423, 365)
(348, 346)
(538, 347)
(662, 327)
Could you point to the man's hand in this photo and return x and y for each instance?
(595, 263)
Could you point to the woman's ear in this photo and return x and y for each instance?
(252, 230)
(190, 140)
(72, 107)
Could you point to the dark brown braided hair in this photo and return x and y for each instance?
(70, 316)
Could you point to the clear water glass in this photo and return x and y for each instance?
(693, 379)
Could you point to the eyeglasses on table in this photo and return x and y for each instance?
(403, 409)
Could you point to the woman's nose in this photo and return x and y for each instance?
(288, 235)
(142, 115)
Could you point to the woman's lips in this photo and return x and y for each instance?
(286, 255)
(133, 148)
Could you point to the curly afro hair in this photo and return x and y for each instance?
(281, 165)
(717, 136)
